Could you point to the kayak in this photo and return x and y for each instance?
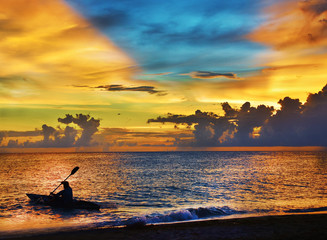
(49, 201)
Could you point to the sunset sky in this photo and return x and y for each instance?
(143, 75)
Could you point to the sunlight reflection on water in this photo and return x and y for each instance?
(146, 183)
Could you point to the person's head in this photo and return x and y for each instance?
(66, 184)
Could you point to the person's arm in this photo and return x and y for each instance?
(60, 194)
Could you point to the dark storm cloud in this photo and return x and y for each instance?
(60, 138)
(294, 124)
(57, 137)
(88, 124)
(47, 132)
(297, 124)
(229, 111)
(248, 118)
(119, 88)
(209, 127)
(315, 117)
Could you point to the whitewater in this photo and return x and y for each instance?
(159, 187)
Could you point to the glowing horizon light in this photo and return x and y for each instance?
(181, 65)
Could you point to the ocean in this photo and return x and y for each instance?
(158, 187)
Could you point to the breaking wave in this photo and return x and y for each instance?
(307, 210)
(202, 213)
(181, 215)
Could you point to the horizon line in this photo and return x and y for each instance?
(166, 149)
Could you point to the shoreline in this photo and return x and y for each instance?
(293, 226)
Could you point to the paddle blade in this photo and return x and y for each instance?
(74, 170)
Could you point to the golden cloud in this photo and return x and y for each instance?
(296, 32)
(45, 44)
(294, 25)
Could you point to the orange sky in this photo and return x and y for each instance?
(58, 62)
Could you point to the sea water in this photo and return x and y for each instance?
(158, 187)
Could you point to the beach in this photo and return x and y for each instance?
(182, 195)
(299, 226)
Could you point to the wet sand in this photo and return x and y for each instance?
(302, 226)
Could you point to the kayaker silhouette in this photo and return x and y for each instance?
(63, 198)
(66, 195)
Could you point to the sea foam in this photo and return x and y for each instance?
(181, 215)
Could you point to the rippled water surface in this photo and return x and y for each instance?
(159, 186)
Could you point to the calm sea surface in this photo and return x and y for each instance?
(158, 187)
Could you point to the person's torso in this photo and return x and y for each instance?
(67, 195)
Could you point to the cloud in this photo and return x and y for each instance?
(57, 137)
(197, 35)
(2, 135)
(47, 42)
(119, 88)
(283, 129)
(88, 124)
(295, 36)
(208, 127)
(297, 124)
(315, 7)
(69, 138)
(21, 133)
(294, 25)
(47, 132)
(248, 119)
(294, 124)
(209, 75)
(166, 38)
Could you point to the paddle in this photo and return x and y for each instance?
(72, 173)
